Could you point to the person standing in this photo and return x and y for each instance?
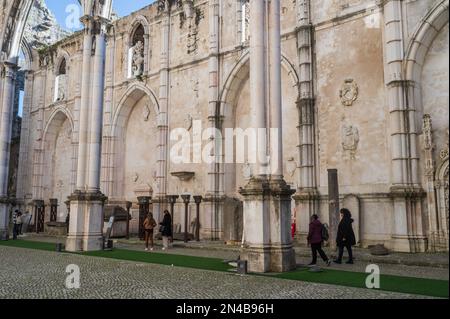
(19, 222)
(345, 237)
(15, 225)
(315, 240)
(149, 225)
(166, 229)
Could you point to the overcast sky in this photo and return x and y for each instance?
(121, 7)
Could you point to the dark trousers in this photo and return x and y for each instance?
(341, 251)
(15, 231)
(317, 248)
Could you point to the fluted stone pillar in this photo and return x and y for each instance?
(8, 76)
(267, 197)
(86, 203)
(405, 190)
(212, 227)
(306, 197)
(162, 121)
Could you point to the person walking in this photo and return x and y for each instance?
(315, 240)
(149, 225)
(345, 237)
(166, 229)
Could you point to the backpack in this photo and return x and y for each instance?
(325, 233)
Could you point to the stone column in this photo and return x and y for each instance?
(163, 140)
(306, 197)
(7, 98)
(24, 176)
(267, 241)
(213, 206)
(407, 231)
(86, 203)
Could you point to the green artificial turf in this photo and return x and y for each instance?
(410, 285)
(163, 259)
(29, 244)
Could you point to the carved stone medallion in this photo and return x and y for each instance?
(349, 92)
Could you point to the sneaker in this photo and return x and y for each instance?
(146, 249)
(151, 249)
(164, 248)
(337, 261)
(328, 263)
(312, 264)
(350, 262)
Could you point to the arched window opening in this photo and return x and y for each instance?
(136, 53)
(60, 82)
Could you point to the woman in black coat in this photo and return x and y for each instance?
(345, 236)
(166, 229)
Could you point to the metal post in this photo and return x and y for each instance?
(198, 200)
(333, 204)
(128, 205)
(186, 198)
(53, 209)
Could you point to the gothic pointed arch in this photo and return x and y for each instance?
(427, 30)
(240, 73)
(135, 123)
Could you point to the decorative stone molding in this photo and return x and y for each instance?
(349, 92)
(183, 175)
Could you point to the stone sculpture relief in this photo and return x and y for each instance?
(291, 166)
(138, 59)
(350, 139)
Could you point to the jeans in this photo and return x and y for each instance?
(317, 248)
(349, 250)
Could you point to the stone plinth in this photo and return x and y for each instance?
(86, 221)
(267, 239)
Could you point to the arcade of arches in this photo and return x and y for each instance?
(364, 90)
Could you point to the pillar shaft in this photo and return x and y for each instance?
(163, 129)
(84, 107)
(8, 77)
(258, 81)
(275, 101)
(96, 121)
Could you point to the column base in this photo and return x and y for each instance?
(4, 218)
(267, 210)
(86, 222)
(212, 217)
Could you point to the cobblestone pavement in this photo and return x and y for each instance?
(303, 257)
(42, 275)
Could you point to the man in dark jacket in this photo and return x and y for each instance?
(315, 240)
(345, 236)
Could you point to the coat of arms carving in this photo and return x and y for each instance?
(349, 92)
